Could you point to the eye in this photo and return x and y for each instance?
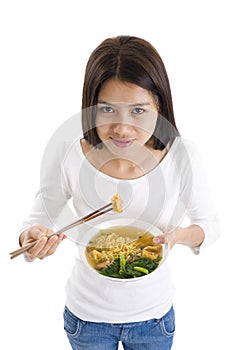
(106, 109)
(138, 110)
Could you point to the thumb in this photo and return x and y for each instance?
(168, 229)
(37, 232)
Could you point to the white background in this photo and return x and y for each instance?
(44, 48)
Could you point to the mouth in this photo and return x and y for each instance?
(122, 143)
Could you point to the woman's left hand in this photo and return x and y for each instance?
(191, 236)
(169, 237)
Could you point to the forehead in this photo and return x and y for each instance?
(114, 90)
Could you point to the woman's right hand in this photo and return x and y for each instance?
(45, 246)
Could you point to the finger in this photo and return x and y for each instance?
(163, 239)
(49, 232)
(50, 247)
(63, 236)
(39, 246)
(36, 232)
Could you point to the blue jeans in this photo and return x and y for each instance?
(154, 334)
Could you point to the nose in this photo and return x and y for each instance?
(123, 126)
(122, 129)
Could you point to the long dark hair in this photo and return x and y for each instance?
(133, 60)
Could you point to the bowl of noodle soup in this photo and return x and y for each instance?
(123, 249)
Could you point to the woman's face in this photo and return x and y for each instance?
(126, 115)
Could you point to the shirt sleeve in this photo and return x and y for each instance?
(50, 206)
(200, 206)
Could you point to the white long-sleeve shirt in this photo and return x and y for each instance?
(174, 190)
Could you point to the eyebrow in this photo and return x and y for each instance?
(130, 105)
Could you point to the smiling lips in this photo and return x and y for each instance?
(121, 142)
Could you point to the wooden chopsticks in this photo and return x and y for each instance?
(106, 208)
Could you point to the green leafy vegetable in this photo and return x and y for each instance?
(137, 267)
(122, 264)
(141, 269)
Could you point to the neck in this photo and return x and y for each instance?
(127, 165)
